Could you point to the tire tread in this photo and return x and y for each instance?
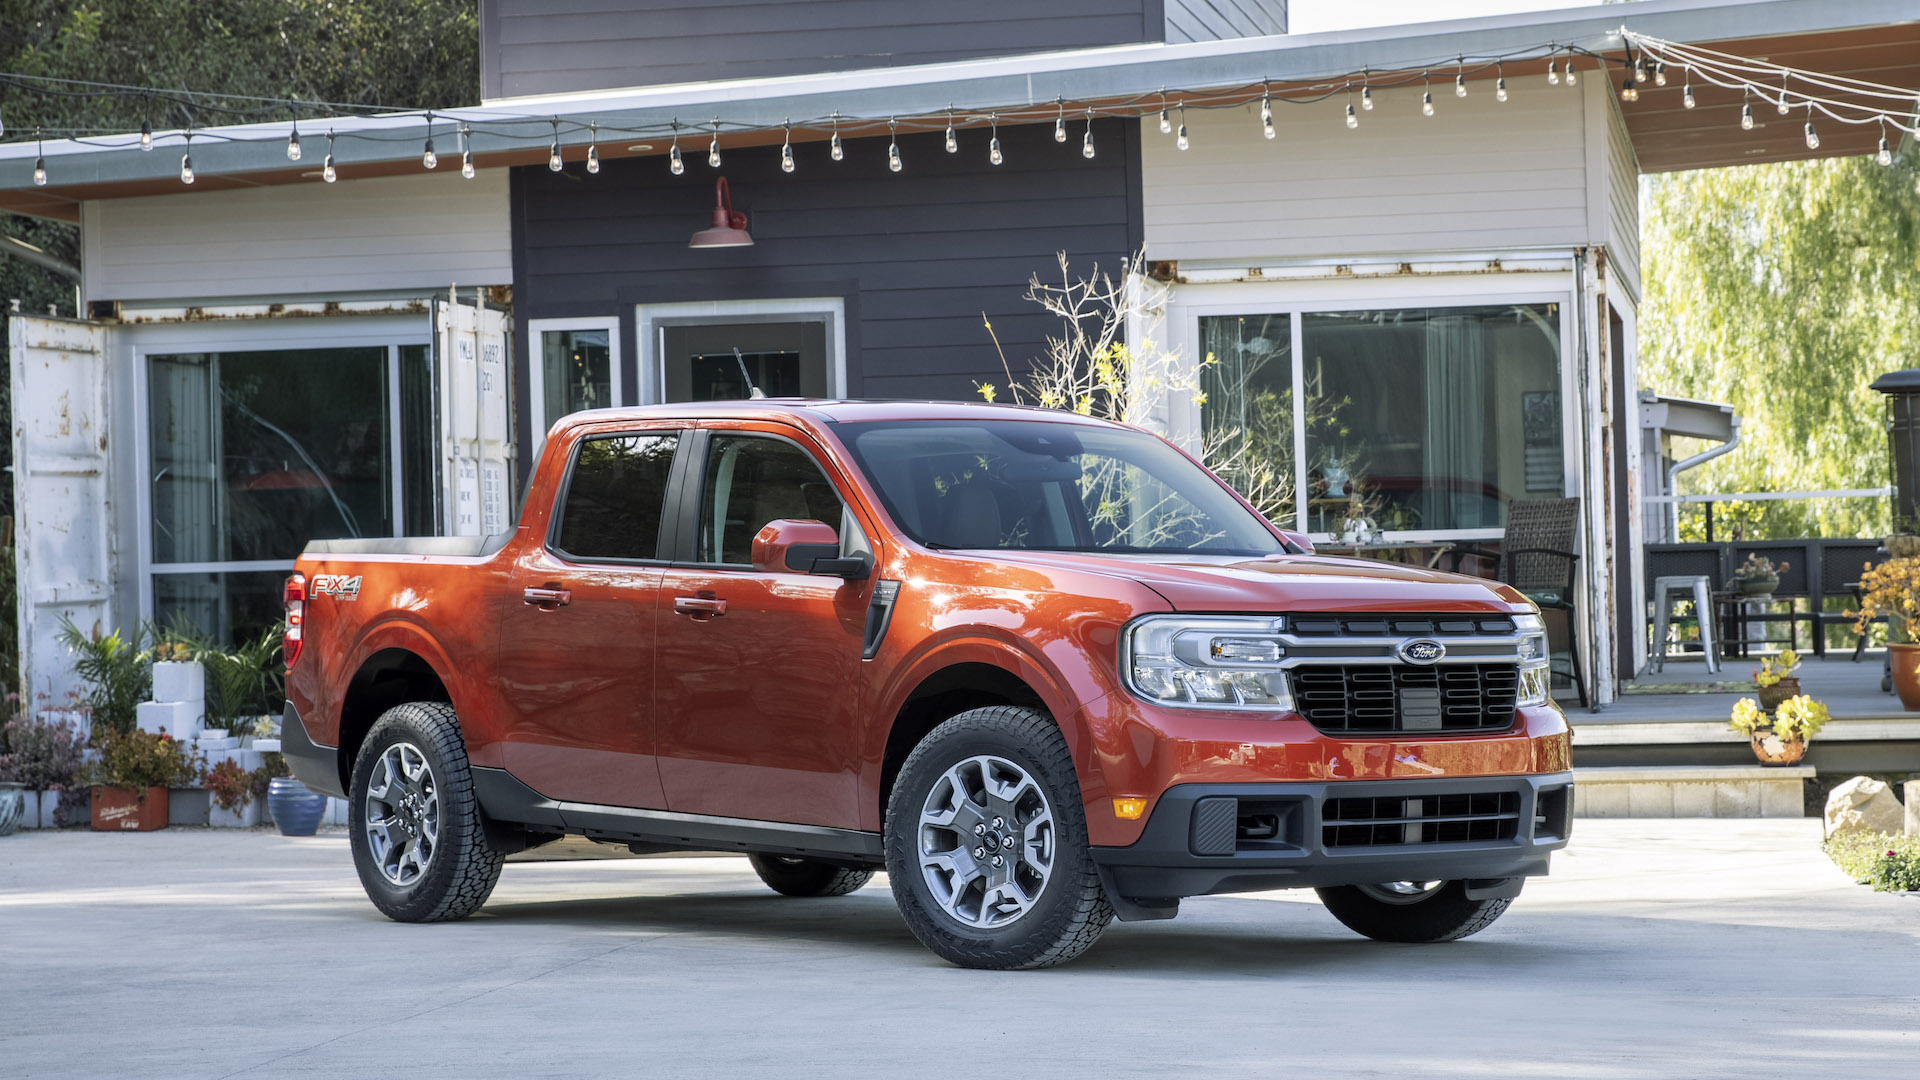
(475, 867)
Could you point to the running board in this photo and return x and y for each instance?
(505, 798)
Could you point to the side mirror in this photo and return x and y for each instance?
(807, 547)
(1298, 539)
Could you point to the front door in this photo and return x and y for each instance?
(756, 672)
(578, 627)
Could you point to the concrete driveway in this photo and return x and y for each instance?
(1658, 948)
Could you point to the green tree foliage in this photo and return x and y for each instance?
(1783, 290)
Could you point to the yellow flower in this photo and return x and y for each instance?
(1748, 717)
(987, 391)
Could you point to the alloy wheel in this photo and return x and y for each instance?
(986, 842)
(402, 814)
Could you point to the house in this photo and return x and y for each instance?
(1412, 253)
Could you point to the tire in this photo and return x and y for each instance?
(807, 877)
(1043, 905)
(1439, 912)
(423, 857)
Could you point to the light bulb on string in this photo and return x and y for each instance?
(1266, 112)
(1460, 79)
(1060, 121)
(1426, 97)
(1781, 106)
(993, 145)
(786, 150)
(1885, 156)
(1573, 77)
(837, 151)
(713, 147)
(1660, 74)
(1746, 116)
(429, 159)
(893, 146)
(1629, 91)
(186, 160)
(40, 160)
(146, 127)
(1086, 144)
(1553, 73)
(1366, 99)
(1353, 118)
(293, 142)
(466, 151)
(674, 164)
(1180, 140)
(593, 148)
(1166, 123)
(1500, 84)
(1813, 137)
(327, 171)
(953, 144)
(1686, 91)
(554, 163)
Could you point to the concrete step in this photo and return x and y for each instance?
(1687, 791)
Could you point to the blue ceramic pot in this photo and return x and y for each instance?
(13, 807)
(296, 808)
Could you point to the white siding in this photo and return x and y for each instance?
(1479, 176)
(356, 236)
(1623, 201)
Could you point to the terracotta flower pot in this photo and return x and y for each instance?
(1904, 657)
(119, 809)
(1772, 749)
(1771, 696)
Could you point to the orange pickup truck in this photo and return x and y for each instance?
(1043, 669)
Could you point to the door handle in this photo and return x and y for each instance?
(699, 606)
(547, 599)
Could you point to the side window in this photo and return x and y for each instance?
(614, 497)
(751, 481)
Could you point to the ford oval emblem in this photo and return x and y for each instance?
(1422, 651)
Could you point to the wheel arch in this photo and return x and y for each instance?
(386, 677)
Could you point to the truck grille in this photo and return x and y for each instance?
(1362, 626)
(1350, 699)
(1465, 817)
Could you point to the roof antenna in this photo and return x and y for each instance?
(753, 392)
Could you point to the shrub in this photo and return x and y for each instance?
(230, 785)
(1890, 862)
(44, 757)
(138, 759)
(116, 669)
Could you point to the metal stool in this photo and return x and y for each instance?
(1667, 590)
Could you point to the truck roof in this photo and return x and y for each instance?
(808, 411)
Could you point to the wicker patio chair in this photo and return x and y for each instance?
(1537, 558)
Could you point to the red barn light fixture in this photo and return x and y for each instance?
(729, 227)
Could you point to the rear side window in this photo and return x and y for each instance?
(614, 497)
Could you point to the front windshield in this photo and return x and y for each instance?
(1047, 486)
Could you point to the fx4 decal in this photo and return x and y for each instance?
(338, 586)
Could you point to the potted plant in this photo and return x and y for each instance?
(232, 789)
(131, 779)
(43, 758)
(1779, 738)
(1777, 679)
(1892, 589)
(117, 669)
(1758, 576)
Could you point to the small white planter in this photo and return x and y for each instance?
(244, 818)
(180, 719)
(267, 746)
(175, 680)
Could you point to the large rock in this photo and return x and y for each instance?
(1863, 804)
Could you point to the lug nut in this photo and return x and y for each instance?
(1007, 840)
(997, 823)
(979, 830)
(979, 852)
(997, 860)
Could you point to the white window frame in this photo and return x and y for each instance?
(536, 367)
(651, 321)
(1299, 298)
(140, 342)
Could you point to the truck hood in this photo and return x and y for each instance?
(1286, 582)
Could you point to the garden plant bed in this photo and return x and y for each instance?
(1890, 862)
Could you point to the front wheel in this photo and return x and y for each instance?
(1412, 911)
(986, 844)
(807, 877)
(418, 839)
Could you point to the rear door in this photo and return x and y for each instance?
(476, 435)
(579, 622)
(757, 672)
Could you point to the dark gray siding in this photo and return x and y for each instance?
(561, 46)
(1219, 20)
(918, 256)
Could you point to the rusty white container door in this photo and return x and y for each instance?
(476, 417)
(64, 553)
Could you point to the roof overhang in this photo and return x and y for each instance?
(1876, 39)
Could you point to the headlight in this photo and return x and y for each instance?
(1207, 662)
(1536, 677)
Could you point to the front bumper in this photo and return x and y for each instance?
(1215, 838)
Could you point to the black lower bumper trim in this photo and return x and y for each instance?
(314, 765)
(1279, 842)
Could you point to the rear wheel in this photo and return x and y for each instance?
(986, 844)
(807, 877)
(418, 839)
(1412, 911)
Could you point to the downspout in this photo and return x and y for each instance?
(1674, 470)
(20, 249)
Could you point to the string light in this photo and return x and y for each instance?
(1813, 137)
(713, 147)
(786, 150)
(554, 163)
(838, 152)
(1781, 107)
(1060, 121)
(1500, 84)
(1628, 90)
(1553, 73)
(428, 159)
(1166, 124)
(1885, 156)
(466, 151)
(186, 159)
(1426, 96)
(893, 145)
(593, 148)
(993, 147)
(1353, 118)
(1460, 79)
(1180, 140)
(1659, 74)
(1266, 112)
(1086, 144)
(1573, 77)
(40, 160)
(1366, 98)
(953, 144)
(146, 126)
(673, 153)
(293, 142)
(1746, 114)
(1686, 91)
(327, 171)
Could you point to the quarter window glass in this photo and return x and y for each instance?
(751, 481)
(615, 496)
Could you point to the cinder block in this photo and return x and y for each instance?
(175, 681)
(1782, 798)
(1736, 799)
(1602, 800)
(1693, 800)
(1650, 800)
(180, 719)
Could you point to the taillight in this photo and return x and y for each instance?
(296, 604)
